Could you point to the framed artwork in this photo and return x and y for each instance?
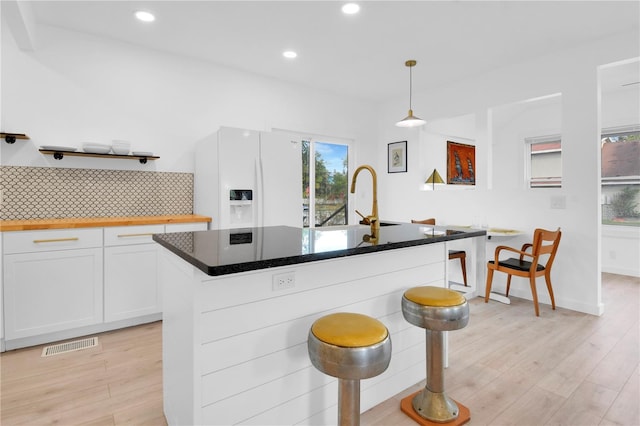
(461, 164)
(397, 157)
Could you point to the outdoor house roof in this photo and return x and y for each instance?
(621, 159)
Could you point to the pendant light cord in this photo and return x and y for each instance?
(410, 84)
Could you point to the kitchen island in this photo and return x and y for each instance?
(238, 305)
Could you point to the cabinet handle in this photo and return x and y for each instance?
(135, 235)
(56, 240)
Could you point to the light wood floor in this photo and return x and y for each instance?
(507, 366)
(563, 368)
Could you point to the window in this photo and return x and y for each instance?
(620, 176)
(326, 200)
(545, 162)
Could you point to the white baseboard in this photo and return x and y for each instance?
(571, 304)
(621, 271)
(76, 332)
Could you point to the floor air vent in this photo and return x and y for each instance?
(76, 345)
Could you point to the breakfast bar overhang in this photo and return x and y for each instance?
(238, 304)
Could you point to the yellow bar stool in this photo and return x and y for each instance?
(350, 347)
(437, 310)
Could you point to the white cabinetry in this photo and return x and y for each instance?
(65, 283)
(131, 285)
(1, 301)
(131, 272)
(52, 281)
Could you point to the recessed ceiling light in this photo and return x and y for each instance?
(350, 8)
(290, 54)
(145, 16)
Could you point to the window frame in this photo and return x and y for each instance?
(612, 181)
(545, 182)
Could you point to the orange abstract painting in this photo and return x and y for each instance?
(461, 164)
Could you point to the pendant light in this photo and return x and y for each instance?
(410, 120)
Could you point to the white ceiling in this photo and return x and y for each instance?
(361, 55)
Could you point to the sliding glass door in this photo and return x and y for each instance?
(325, 185)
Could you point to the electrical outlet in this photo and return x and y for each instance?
(284, 281)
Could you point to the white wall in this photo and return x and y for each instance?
(76, 87)
(505, 204)
(621, 250)
(621, 107)
(510, 125)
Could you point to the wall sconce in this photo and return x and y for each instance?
(433, 179)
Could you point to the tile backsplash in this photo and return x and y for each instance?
(47, 192)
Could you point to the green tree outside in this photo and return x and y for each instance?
(331, 187)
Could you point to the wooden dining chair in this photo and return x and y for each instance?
(544, 243)
(453, 254)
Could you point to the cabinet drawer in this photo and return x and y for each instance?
(127, 235)
(50, 240)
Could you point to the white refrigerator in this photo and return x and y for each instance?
(245, 178)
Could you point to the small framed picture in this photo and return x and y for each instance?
(397, 157)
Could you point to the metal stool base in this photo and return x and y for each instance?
(406, 405)
(348, 402)
(435, 406)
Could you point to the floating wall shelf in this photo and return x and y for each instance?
(11, 137)
(58, 155)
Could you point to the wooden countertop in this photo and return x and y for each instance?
(94, 222)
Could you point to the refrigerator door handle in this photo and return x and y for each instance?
(259, 203)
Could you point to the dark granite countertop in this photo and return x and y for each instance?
(229, 251)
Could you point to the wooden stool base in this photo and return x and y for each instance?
(407, 408)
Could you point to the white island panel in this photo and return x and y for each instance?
(235, 349)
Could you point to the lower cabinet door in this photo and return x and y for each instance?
(52, 291)
(131, 287)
